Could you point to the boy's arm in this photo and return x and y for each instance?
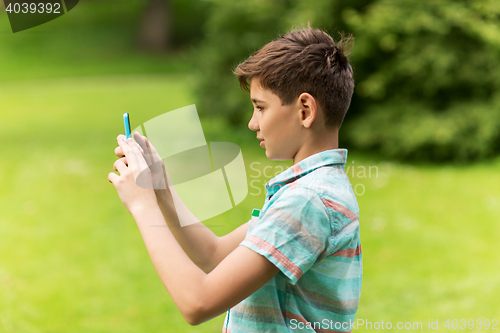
(202, 246)
(198, 295)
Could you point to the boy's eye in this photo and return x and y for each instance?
(260, 108)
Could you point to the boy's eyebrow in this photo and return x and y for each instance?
(254, 100)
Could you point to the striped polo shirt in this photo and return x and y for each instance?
(309, 228)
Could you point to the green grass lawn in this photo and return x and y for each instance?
(72, 259)
(429, 235)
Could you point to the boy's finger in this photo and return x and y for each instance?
(121, 137)
(139, 139)
(147, 142)
(127, 153)
(131, 153)
(123, 160)
(152, 150)
(119, 152)
(132, 143)
(124, 146)
(139, 167)
(112, 177)
(119, 166)
(157, 159)
(150, 145)
(135, 156)
(142, 143)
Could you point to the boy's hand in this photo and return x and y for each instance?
(155, 163)
(135, 183)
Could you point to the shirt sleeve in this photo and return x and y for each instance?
(292, 233)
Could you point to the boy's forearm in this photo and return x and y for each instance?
(197, 241)
(180, 276)
(200, 296)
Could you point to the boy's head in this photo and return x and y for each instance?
(306, 60)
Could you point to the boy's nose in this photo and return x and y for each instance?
(253, 123)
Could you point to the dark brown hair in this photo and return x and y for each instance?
(306, 60)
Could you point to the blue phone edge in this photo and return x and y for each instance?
(126, 122)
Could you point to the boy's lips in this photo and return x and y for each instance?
(261, 141)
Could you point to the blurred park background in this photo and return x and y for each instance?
(422, 133)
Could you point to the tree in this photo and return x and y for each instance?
(155, 28)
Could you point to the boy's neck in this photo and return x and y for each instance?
(317, 143)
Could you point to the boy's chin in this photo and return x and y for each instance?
(274, 157)
(270, 156)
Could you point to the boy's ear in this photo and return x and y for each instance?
(308, 109)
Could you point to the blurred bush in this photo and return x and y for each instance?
(187, 21)
(427, 72)
(234, 30)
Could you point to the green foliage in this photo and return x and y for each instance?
(428, 78)
(188, 17)
(427, 72)
(412, 131)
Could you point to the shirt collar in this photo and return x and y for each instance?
(308, 164)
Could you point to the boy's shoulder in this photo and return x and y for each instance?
(321, 176)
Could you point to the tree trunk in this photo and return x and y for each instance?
(154, 32)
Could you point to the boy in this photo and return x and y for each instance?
(298, 266)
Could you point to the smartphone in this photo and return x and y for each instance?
(126, 122)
